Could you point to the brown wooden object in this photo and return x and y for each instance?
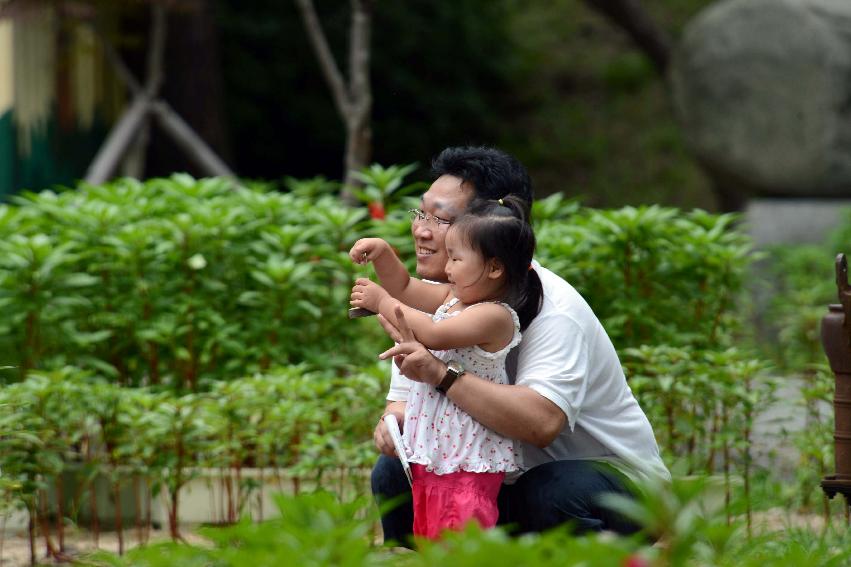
(836, 340)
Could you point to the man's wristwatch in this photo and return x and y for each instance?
(453, 371)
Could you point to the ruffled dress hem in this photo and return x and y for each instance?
(471, 466)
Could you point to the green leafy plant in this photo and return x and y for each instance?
(382, 187)
(227, 304)
(178, 282)
(683, 524)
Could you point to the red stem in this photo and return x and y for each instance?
(60, 512)
(93, 497)
(119, 522)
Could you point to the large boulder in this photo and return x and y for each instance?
(763, 90)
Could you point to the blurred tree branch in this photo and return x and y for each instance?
(353, 101)
(632, 18)
(130, 134)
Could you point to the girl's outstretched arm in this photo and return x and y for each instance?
(487, 325)
(395, 278)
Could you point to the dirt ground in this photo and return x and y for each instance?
(16, 547)
(16, 553)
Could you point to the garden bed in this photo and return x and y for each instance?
(80, 541)
(205, 498)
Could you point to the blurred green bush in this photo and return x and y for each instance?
(322, 530)
(205, 290)
(178, 282)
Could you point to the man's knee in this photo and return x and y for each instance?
(569, 492)
(388, 478)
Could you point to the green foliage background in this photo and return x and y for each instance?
(226, 304)
(592, 118)
(179, 284)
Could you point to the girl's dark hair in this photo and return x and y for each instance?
(499, 229)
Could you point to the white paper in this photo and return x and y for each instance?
(396, 435)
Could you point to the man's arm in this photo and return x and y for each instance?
(515, 412)
(381, 436)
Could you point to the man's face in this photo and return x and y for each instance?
(445, 200)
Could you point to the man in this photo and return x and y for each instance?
(581, 430)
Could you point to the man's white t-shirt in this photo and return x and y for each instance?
(567, 357)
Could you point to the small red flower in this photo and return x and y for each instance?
(635, 560)
(376, 210)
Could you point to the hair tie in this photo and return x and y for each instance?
(500, 202)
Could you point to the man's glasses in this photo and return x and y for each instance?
(419, 216)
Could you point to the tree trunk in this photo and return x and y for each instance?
(359, 120)
(44, 525)
(193, 66)
(118, 141)
(149, 503)
(136, 156)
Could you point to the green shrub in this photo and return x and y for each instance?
(315, 424)
(653, 275)
(801, 283)
(322, 530)
(203, 286)
(177, 281)
(666, 286)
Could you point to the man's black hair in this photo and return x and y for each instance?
(492, 173)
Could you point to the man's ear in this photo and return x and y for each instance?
(496, 269)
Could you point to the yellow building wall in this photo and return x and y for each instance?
(8, 150)
(7, 72)
(55, 108)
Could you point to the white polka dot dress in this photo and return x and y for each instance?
(444, 438)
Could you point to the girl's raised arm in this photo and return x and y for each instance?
(395, 278)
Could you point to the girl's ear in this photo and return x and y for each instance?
(496, 269)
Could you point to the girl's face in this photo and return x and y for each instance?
(470, 277)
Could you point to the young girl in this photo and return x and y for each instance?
(458, 464)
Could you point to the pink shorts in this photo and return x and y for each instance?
(449, 501)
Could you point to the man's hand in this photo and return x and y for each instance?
(367, 294)
(367, 250)
(414, 360)
(381, 436)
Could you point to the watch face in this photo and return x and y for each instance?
(454, 367)
(453, 371)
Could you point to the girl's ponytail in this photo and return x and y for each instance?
(528, 299)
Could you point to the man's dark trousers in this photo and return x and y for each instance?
(543, 497)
